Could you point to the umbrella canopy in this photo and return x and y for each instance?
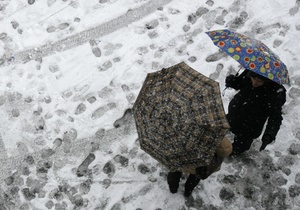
(180, 117)
(252, 54)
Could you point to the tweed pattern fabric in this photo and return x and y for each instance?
(180, 117)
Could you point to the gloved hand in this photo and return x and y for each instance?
(266, 139)
(229, 80)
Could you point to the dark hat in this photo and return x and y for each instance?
(255, 75)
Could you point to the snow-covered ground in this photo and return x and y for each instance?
(70, 73)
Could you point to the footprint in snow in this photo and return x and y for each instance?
(122, 160)
(216, 56)
(98, 113)
(95, 49)
(83, 167)
(55, 69)
(217, 72)
(109, 169)
(293, 11)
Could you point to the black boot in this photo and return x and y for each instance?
(173, 181)
(190, 184)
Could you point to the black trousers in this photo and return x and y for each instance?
(174, 179)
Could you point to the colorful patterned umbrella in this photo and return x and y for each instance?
(252, 54)
(180, 117)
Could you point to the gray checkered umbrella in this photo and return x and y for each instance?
(180, 117)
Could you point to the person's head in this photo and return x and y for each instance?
(224, 148)
(256, 79)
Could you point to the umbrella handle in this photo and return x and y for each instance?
(223, 92)
(237, 73)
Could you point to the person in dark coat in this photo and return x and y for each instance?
(223, 150)
(258, 101)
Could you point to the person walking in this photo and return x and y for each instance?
(258, 101)
(223, 150)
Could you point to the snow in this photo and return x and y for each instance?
(71, 68)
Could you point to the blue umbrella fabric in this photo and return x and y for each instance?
(180, 117)
(252, 54)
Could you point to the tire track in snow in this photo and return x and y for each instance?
(62, 45)
(77, 148)
(84, 36)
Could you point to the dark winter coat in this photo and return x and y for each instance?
(251, 107)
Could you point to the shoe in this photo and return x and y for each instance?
(190, 184)
(173, 189)
(187, 193)
(173, 179)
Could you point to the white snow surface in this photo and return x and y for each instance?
(70, 69)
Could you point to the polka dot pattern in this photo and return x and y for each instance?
(252, 54)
